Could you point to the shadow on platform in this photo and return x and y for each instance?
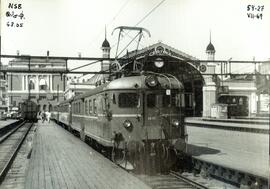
(200, 150)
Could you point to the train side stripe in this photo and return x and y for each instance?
(103, 115)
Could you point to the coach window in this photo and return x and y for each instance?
(241, 101)
(94, 106)
(128, 100)
(114, 99)
(90, 106)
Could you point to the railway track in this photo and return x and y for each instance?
(10, 144)
(234, 177)
(173, 180)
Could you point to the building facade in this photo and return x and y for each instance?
(44, 89)
(3, 93)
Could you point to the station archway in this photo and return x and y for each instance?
(190, 77)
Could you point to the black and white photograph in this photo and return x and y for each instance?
(134, 94)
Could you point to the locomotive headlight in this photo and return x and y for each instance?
(175, 122)
(151, 81)
(128, 125)
(159, 62)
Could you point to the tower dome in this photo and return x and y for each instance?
(106, 43)
(210, 47)
(210, 50)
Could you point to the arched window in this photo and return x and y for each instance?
(44, 107)
(31, 85)
(42, 84)
(50, 107)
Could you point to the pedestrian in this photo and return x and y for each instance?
(48, 115)
(43, 114)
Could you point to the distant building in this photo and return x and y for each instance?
(3, 94)
(44, 89)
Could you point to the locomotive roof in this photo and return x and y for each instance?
(132, 82)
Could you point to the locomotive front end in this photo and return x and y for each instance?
(150, 120)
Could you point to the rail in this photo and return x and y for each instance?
(229, 175)
(6, 128)
(187, 180)
(8, 164)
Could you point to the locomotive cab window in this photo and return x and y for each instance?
(169, 100)
(128, 100)
(162, 100)
(151, 100)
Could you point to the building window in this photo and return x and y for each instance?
(43, 87)
(50, 107)
(31, 85)
(42, 84)
(44, 107)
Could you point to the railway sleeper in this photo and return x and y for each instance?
(227, 175)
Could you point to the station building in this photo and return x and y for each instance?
(44, 89)
(204, 89)
(245, 95)
(3, 93)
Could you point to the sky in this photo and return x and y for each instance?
(67, 27)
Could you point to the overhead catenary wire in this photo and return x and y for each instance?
(111, 21)
(148, 14)
(101, 31)
(127, 34)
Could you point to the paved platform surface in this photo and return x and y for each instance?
(7, 122)
(60, 160)
(259, 124)
(244, 151)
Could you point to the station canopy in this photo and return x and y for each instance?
(175, 61)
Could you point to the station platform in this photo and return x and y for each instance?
(4, 123)
(232, 124)
(61, 160)
(244, 151)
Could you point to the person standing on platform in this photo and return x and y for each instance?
(43, 116)
(48, 115)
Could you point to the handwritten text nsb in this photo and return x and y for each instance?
(15, 15)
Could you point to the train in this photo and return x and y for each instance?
(29, 111)
(139, 118)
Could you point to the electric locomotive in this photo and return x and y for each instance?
(134, 118)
